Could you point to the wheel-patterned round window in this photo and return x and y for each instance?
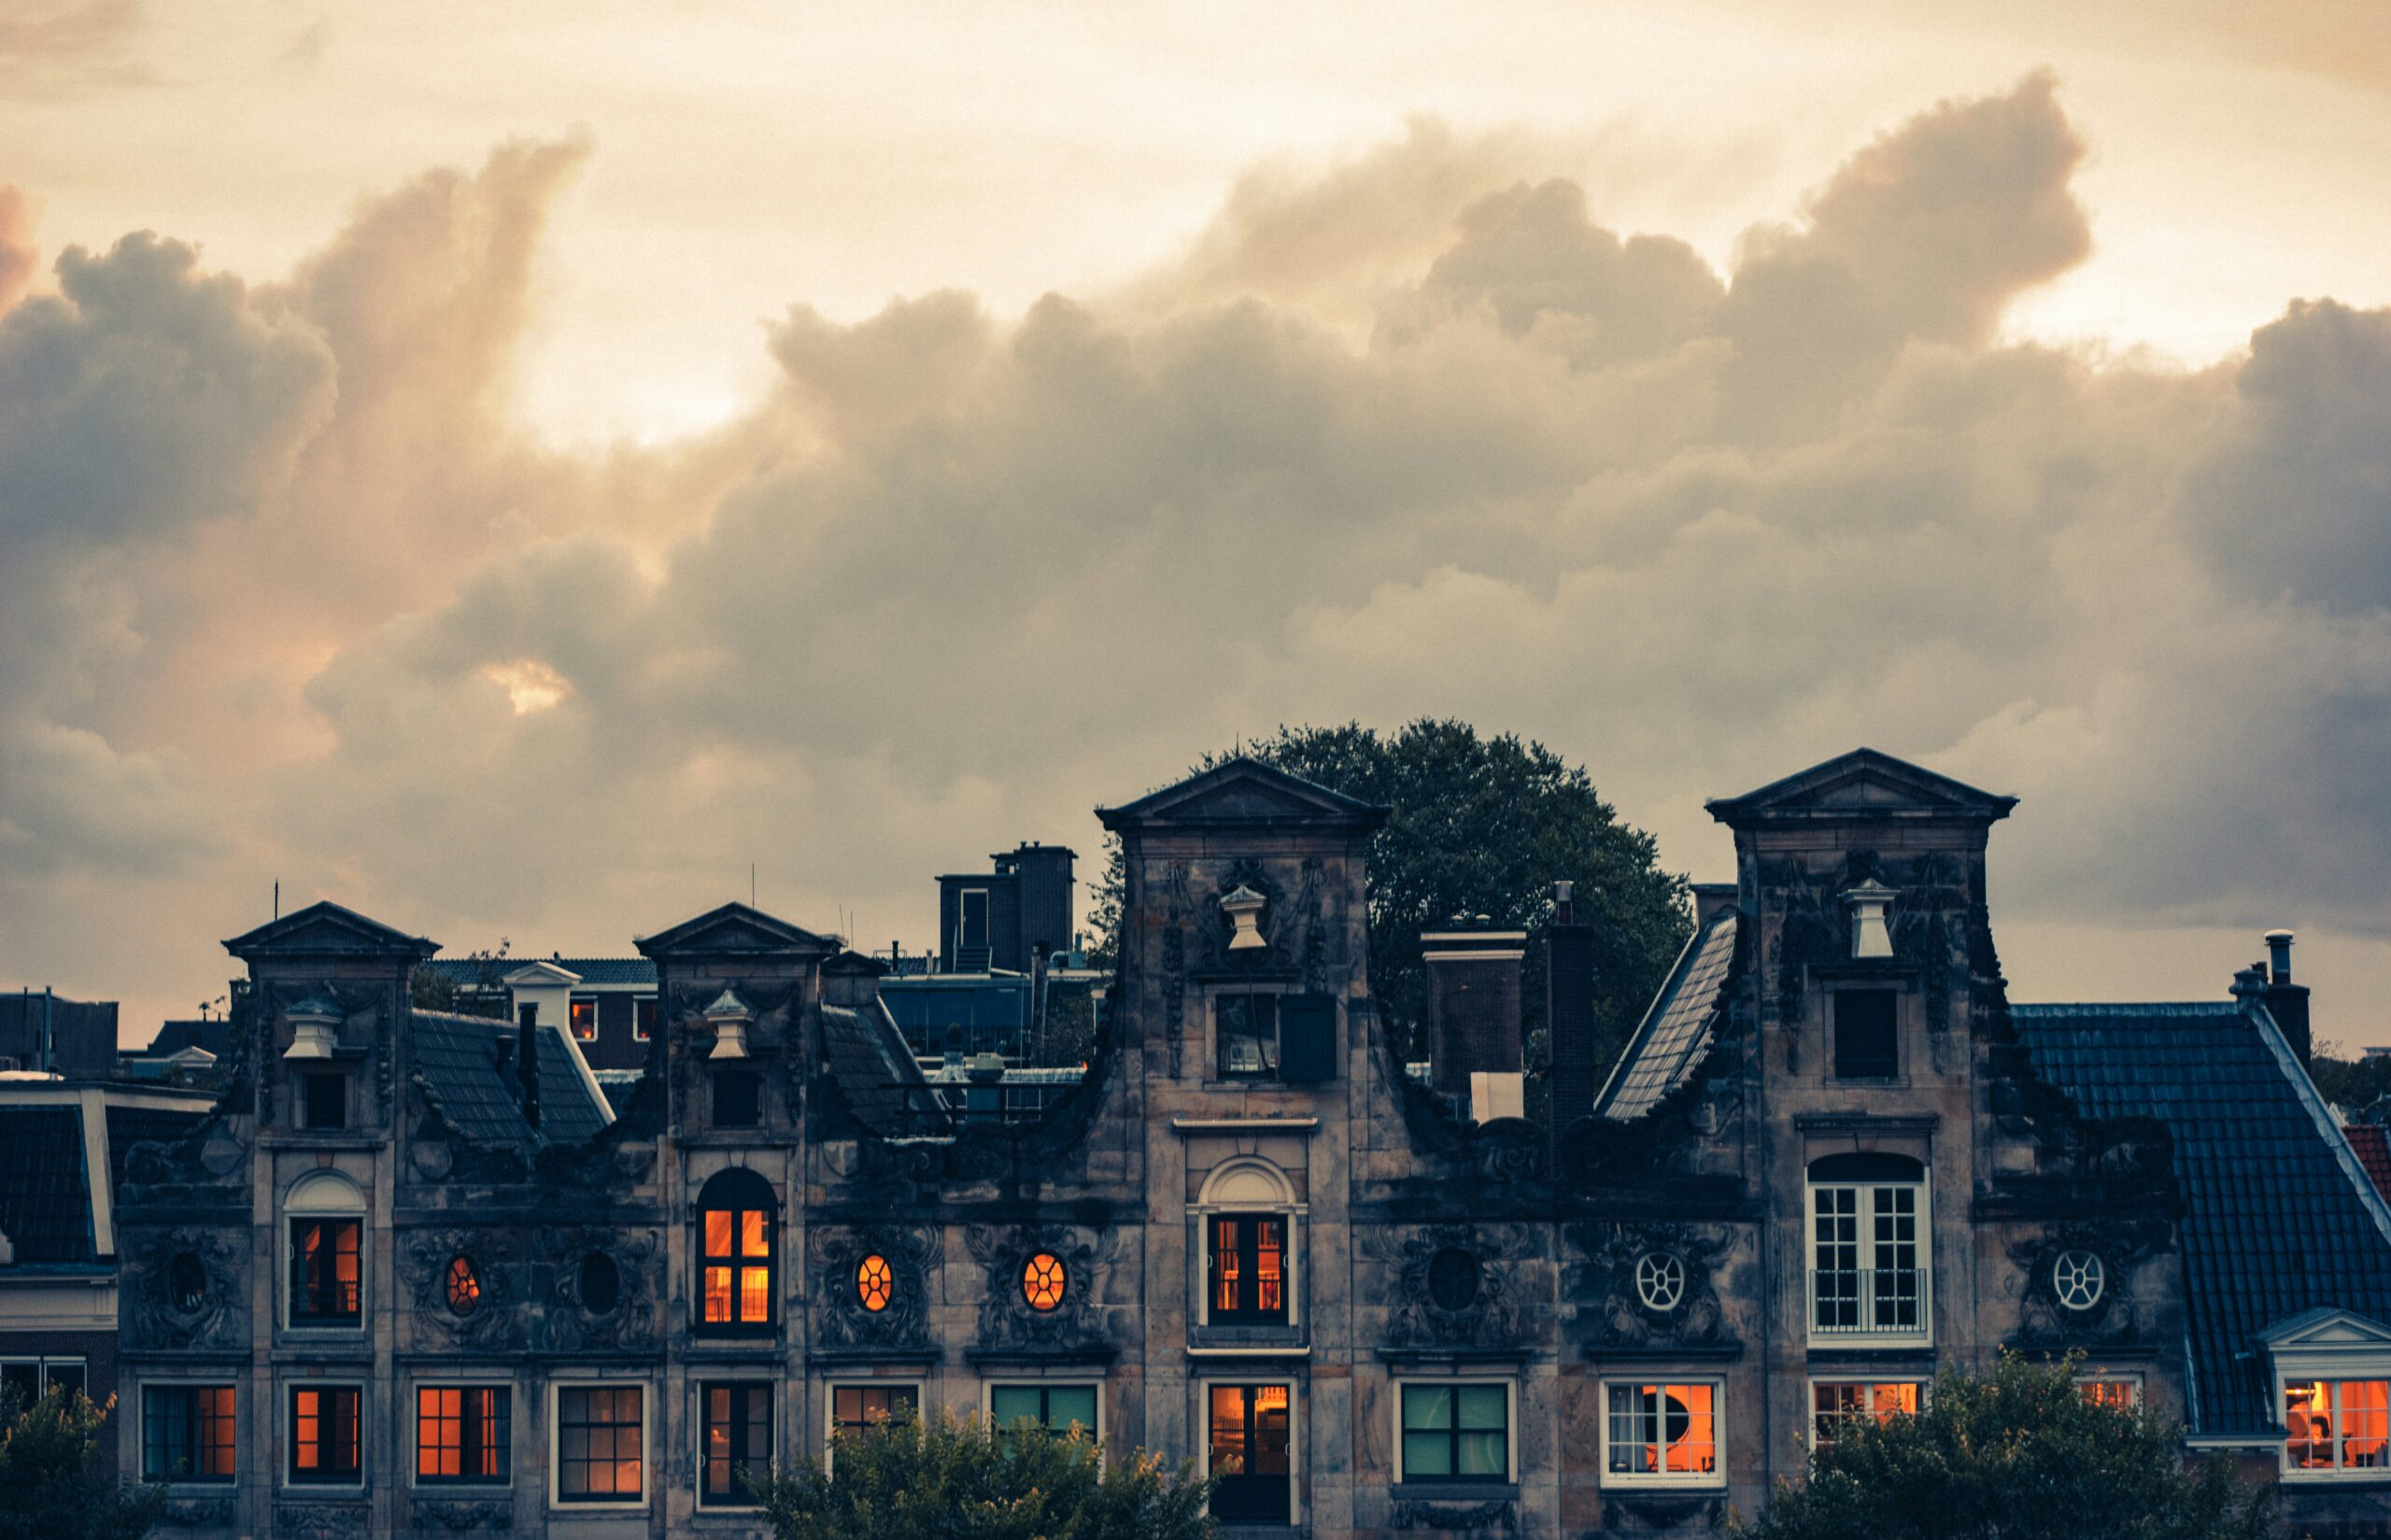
(875, 1282)
(463, 1284)
(187, 1282)
(1043, 1279)
(1452, 1279)
(1659, 1281)
(2077, 1278)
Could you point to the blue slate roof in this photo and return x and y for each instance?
(1676, 1030)
(863, 1049)
(593, 970)
(45, 1192)
(468, 1068)
(2279, 1217)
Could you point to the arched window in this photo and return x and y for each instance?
(738, 1237)
(1247, 1214)
(1871, 1262)
(325, 1214)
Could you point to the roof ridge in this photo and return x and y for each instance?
(2124, 1008)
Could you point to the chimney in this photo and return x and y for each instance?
(1709, 898)
(1569, 1013)
(526, 1061)
(2286, 1002)
(1474, 1016)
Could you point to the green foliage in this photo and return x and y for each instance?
(53, 1485)
(2017, 1454)
(962, 1480)
(1482, 826)
(430, 991)
(2352, 1084)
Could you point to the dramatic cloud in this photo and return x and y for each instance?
(1418, 434)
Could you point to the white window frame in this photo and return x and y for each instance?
(298, 1205)
(2132, 1382)
(1453, 1381)
(1278, 990)
(588, 997)
(988, 1388)
(558, 1501)
(1689, 1480)
(1923, 1241)
(450, 1381)
(640, 1034)
(288, 1412)
(701, 1376)
(1295, 1482)
(1810, 1398)
(2309, 1374)
(181, 1383)
(1224, 1193)
(42, 1361)
(834, 1385)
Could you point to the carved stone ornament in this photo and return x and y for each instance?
(195, 1512)
(1008, 1324)
(494, 1321)
(841, 1319)
(2109, 1314)
(1287, 924)
(572, 1324)
(321, 1521)
(1453, 1287)
(1179, 908)
(462, 1517)
(1648, 1284)
(1413, 1513)
(189, 1288)
(1664, 1511)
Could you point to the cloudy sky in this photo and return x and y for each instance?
(510, 467)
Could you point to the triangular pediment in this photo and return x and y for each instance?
(325, 928)
(1862, 783)
(541, 975)
(1243, 793)
(732, 930)
(2326, 1327)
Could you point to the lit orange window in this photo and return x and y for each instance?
(735, 1270)
(1663, 1430)
(1248, 1267)
(2121, 1393)
(875, 1282)
(464, 1286)
(1228, 1276)
(1041, 1281)
(2338, 1425)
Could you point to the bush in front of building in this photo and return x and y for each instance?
(953, 1479)
(52, 1484)
(2020, 1453)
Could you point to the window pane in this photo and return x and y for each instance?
(755, 1294)
(718, 1231)
(216, 1432)
(2366, 1423)
(1483, 1406)
(1066, 1405)
(1482, 1454)
(1427, 1406)
(717, 1293)
(1427, 1455)
(752, 1242)
(1010, 1403)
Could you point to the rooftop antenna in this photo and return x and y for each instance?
(278, 898)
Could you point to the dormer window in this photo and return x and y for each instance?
(2336, 1426)
(1867, 1037)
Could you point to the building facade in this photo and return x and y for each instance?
(475, 1296)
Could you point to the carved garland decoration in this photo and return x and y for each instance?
(2110, 1315)
(425, 1257)
(1008, 1324)
(165, 1313)
(1453, 1287)
(1649, 1284)
(842, 1316)
(572, 1322)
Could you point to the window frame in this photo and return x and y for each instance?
(1810, 1402)
(292, 1391)
(752, 1079)
(1247, 1251)
(504, 1388)
(2133, 1385)
(646, 1012)
(1205, 1384)
(988, 1388)
(200, 1419)
(1403, 1386)
(573, 1006)
(311, 1082)
(557, 1498)
(2335, 1376)
(1236, 1186)
(1214, 1000)
(1866, 1254)
(1892, 998)
(1673, 1481)
(736, 1261)
(735, 1500)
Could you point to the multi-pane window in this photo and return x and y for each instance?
(463, 1433)
(583, 1012)
(324, 1271)
(1867, 1044)
(1456, 1433)
(1250, 1449)
(2333, 1425)
(1056, 1409)
(1664, 1434)
(327, 1099)
(602, 1443)
(186, 1433)
(1246, 1029)
(857, 1409)
(736, 1234)
(30, 1379)
(324, 1435)
(2124, 1394)
(1249, 1266)
(1834, 1403)
(1868, 1276)
(738, 1441)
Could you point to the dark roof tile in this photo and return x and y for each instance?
(1668, 1045)
(45, 1192)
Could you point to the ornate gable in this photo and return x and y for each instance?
(327, 930)
(1244, 793)
(732, 930)
(1863, 784)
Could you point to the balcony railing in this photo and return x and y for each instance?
(1872, 1302)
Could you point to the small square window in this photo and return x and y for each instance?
(857, 1409)
(463, 1433)
(738, 1098)
(1867, 1045)
(2336, 1427)
(1835, 1403)
(324, 1435)
(1247, 1029)
(1456, 1433)
(327, 1097)
(1661, 1434)
(584, 1015)
(187, 1433)
(601, 1444)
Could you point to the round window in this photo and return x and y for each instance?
(1452, 1279)
(464, 1285)
(875, 1282)
(187, 1282)
(601, 1283)
(1659, 1281)
(2077, 1278)
(1043, 1279)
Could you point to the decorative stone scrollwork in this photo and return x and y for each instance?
(1008, 1321)
(1412, 1513)
(1642, 1285)
(1664, 1511)
(573, 1321)
(461, 1518)
(1453, 1287)
(194, 1512)
(493, 1322)
(189, 1290)
(1179, 907)
(842, 1316)
(321, 1521)
(2073, 1282)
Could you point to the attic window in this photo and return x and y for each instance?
(1867, 1044)
(738, 1098)
(2336, 1426)
(327, 1099)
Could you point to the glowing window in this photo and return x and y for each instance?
(1249, 1261)
(736, 1222)
(324, 1445)
(875, 1282)
(2123, 1395)
(2337, 1425)
(186, 1433)
(601, 1443)
(463, 1432)
(1042, 1281)
(1660, 1433)
(1834, 1403)
(464, 1286)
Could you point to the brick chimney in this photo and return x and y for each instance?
(2286, 1002)
(526, 1061)
(1474, 1015)
(1569, 1012)
(1709, 899)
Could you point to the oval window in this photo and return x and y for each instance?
(2077, 1278)
(187, 1282)
(601, 1283)
(1042, 1281)
(875, 1282)
(1452, 1279)
(464, 1285)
